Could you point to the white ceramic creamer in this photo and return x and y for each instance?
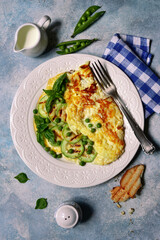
(31, 39)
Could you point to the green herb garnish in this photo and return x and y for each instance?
(22, 177)
(41, 203)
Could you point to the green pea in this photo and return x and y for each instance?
(81, 163)
(88, 18)
(99, 125)
(57, 120)
(89, 151)
(35, 111)
(84, 142)
(59, 155)
(53, 153)
(87, 120)
(83, 18)
(68, 134)
(77, 43)
(90, 125)
(75, 47)
(67, 128)
(88, 13)
(79, 24)
(71, 49)
(93, 130)
(84, 137)
(60, 128)
(66, 50)
(83, 44)
(71, 150)
(90, 148)
(62, 47)
(83, 23)
(47, 149)
(91, 142)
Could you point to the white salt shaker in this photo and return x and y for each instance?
(68, 214)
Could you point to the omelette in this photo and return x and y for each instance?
(75, 120)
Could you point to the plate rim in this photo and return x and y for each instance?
(19, 89)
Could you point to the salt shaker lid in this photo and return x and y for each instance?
(68, 214)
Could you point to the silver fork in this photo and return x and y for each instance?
(108, 87)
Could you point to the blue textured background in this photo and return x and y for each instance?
(102, 219)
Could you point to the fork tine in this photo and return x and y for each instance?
(107, 77)
(96, 73)
(103, 78)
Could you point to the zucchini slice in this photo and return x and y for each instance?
(70, 136)
(42, 107)
(88, 157)
(77, 149)
(61, 111)
(52, 113)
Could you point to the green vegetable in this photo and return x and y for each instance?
(41, 203)
(59, 155)
(88, 156)
(49, 134)
(91, 142)
(85, 15)
(84, 137)
(57, 120)
(42, 107)
(47, 149)
(87, 20)
(90, 125)
(22, 177)
(77, 45)
(70, 136)
(57, 91)
(77, 147)
(35, 111)
(93, 130)
(84, 142)
(89, 151)
(71, 150)
(40, 138)
(87, 120)
(81, 163)
(53, 153)
(90, 148)
(99, 125)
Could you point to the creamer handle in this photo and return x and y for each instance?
(44, 22)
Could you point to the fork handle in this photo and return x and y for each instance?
(146, 145)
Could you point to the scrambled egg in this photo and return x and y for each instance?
(84, 100)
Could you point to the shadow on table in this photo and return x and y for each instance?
(52, 33)
(87, 210)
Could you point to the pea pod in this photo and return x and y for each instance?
(85, 24)
(77, 45)
(86, 14)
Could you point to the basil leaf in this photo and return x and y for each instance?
(41, 203)
(38, 120)
(42, 127)
(49, 92)
(59, 82)
(50, 136)
(40, 139)
(22, 177)
(48, 103)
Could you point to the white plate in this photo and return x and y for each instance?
(40, 162)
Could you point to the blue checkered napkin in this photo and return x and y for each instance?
(131, 54)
